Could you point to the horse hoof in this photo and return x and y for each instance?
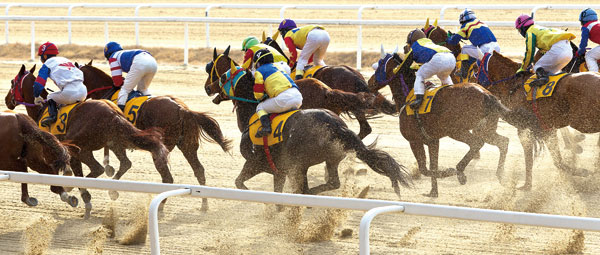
(113, 194)
(579, 138)
(431, 194)
(462, 178)
(68, 172)
(525, 188)
(31, 201)
(73, 201)
(68, 189)
(109, 170)
(577, 149)
(88, 211)
(580, 172)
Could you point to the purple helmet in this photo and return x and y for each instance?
(287, 24)
(523, 20)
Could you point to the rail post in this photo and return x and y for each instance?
(153, 216)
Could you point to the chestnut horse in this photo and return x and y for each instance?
(222, 63)
(571, 104)
(23, 144)
(84, 131)
(311, 137)
(455, 111)
(182, 126)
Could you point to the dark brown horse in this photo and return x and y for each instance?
(23, 145)
(455, 111)
(222, 63)
(439, 36)
(310, 137)
(572, 103)
(84, 131)
(182, 126)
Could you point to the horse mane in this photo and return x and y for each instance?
(33, 135)
(506, 60)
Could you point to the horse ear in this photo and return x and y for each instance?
(264, 36)
(275, 35)
(226, 52)
(32, 69)
(382, 51)
(233, 67)
(22, 71)
(435, 23)
(426, 24)
(396, 49)
(77, 65)
(90, 63)
(215, 53)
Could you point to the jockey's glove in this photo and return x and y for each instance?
(38, 101)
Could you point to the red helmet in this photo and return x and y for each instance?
(48, 48)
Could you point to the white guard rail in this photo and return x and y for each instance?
(374, 207)
(207, 7)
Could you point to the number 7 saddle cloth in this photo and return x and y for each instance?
(278, 121)
(59, 127)
(425, 107)
(135, 101)
(545, 90)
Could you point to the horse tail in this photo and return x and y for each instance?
(380, 161)
(520, 118)
(346, 101)
(381, 103)
(200, 124)
(33, 135)
(148, 140)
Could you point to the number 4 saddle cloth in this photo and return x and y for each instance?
(59, 127)
(278, 121)
(545, 90)
(425, 107)
(135, 101)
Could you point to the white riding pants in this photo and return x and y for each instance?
(287, 100)
(478, 52)
(441, 65)
(316, 45)
(70, 94)
(142, 71)
(559, 55)
(591, 59)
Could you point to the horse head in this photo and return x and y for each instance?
(272, 41)
(392, 70)
(235, 83)
(95, 78)
(21, 89)
(216, 67)
(439, 36)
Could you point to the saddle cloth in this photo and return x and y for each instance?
(278, 121)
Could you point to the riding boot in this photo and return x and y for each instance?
(52, 111)
(299, 75)
(464, 67)
(542, 77)
(122, 107)
(265, 128)
(417, 103)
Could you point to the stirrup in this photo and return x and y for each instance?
(47, 122)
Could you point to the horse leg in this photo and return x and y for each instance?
(250, 169)
(64, 196)
(527, 144)
(419, 152)
(123, 167)
(475, 143)
(365, 128)
(557, 157)
(108, 169)
(189, 149)
(333, 180)
(490, 136)
(434, 153)
(85, 195)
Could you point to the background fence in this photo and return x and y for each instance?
(359, 22)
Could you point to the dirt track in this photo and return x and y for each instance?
(232, 227)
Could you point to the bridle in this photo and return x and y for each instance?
(229, 85)
(383, 68)
(17, 90)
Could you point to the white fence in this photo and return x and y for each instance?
(373, 207)
(207, 7)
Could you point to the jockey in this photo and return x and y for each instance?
(554, 42)
(251, 45)
(139, 64)
(479, 34)
(590, 29)
(435, 60)
(313, 40)
(274, 88)
(67, 77)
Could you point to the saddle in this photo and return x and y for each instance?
(545, 90)
(309, 71)
(135, 101)
(278, 121)
(59, 127)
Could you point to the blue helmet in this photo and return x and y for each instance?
(587, 15)
(287, 24)
(466, 16)
(111, 48)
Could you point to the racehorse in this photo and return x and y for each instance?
(84, 131)
(182, 126)
(455, 111)
(310, 137)
(23, 144)
(222, 63)
(572, 103)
